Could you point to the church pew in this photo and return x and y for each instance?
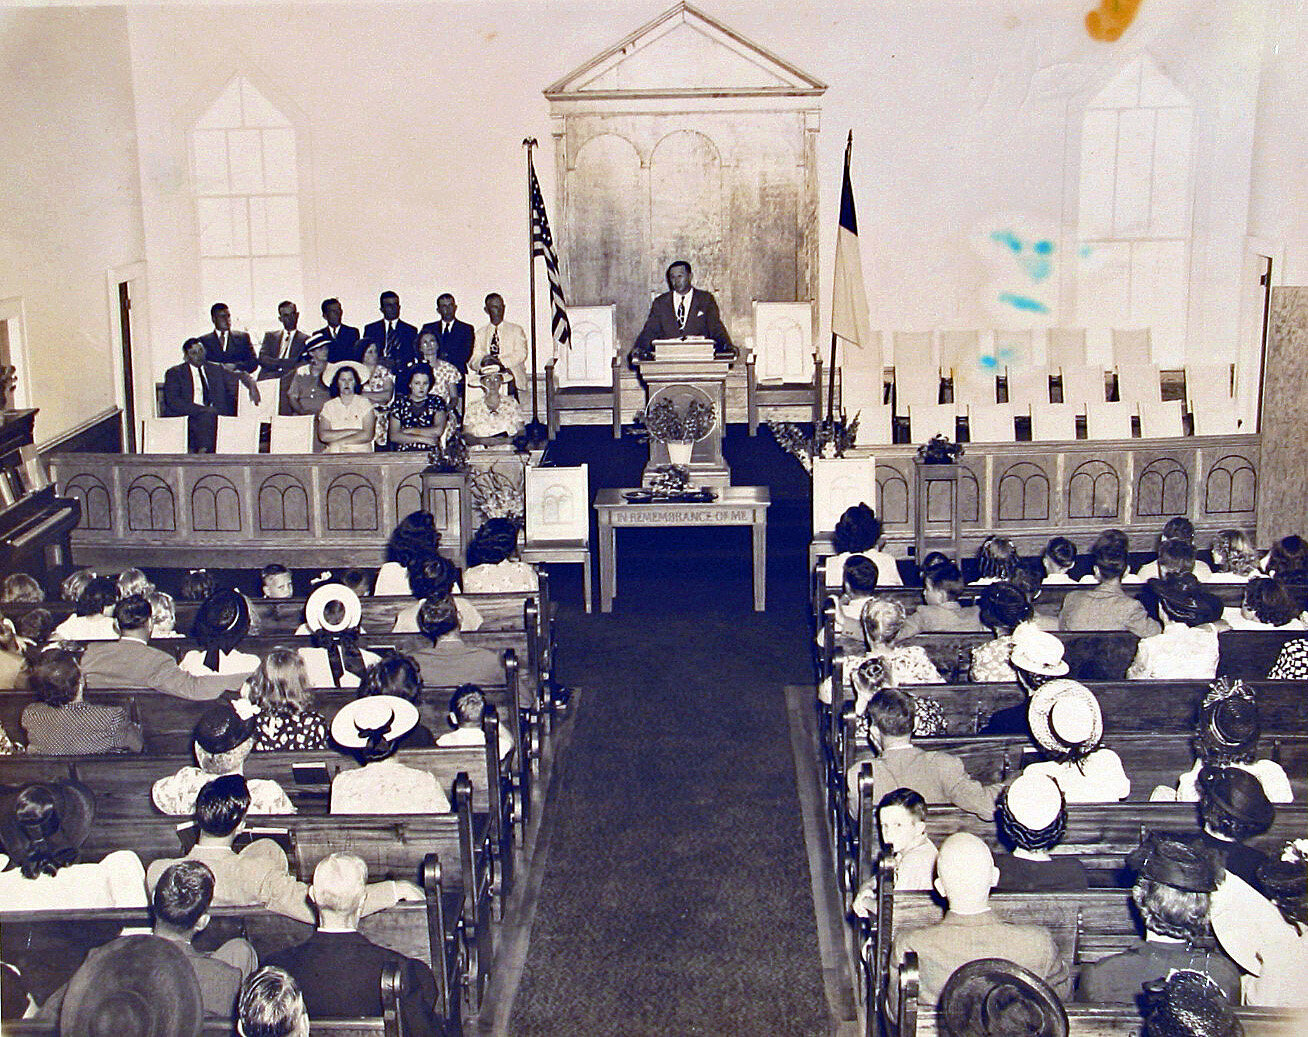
(1252, 653)
(49, 946)
(1097, 655)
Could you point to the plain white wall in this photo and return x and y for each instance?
(410, 118)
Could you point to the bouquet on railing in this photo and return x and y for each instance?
(495, 495)
(451, 455)
(940, 450)
(829, 438)
(665, 423)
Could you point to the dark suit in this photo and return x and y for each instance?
(401, 350)
(271, 362)
(340, 977)
(702, 321)
(239, 351)
(456, 347)
(179, 401)
(345, 346)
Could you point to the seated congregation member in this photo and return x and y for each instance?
(259, 873)
(1066, 723)
(1002, 608)
(1175, 547)
(1058, 559)
(275, 581)
(334, 660)
(221, 623)
(339, 969)
(897, 763)
(996, 559)
(1032, 817)
(1227, 736)
(901, 820)
(63, 723)
(271, 1005)
(1291, 662)
(1173, 883)
(371, 728)
(467, 709)
(448, 660)
(1187, 647)
(871, 675)
(179, 910)
(279, 689)
(436, 577)
(307, 392)
(347, 422)
(130, 662)
(1234, 557)
(72, 585)
(493, 565)
(411, 543)
(1106, 606)
(1268, 604)
(971, 929)
(378, 379)
(35, 626)
(858, 532)
(133, 581)
(42, 828)
(418, 416)
(397, 674)
(196, 585)
(942, 587)
(199, 391)
(1029, 578)
(92, 619)
(492, 415)
(446, 378)
(13, 656)
(883, 624)
(1232, 809)
(163, 615)
(21, 588)
(1288, 555)
(223, 740)
(858, 585)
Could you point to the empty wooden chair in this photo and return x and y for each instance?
(163, 435)
(1108, 420)
(239, 435)
(927, 421)
(1028, 386)
(875, 423)
(1065, 347)
(916, 385)
(993, 423)
(1139, 383)
(1132, 346)
(1083, 385)
(1053, 422)
(1161, 420)
(293, 434)
(1208, 392)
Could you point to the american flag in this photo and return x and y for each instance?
(542, 244)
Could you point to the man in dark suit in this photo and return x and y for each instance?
(232, 349)
(398, 338)
(343, 338)
(455, 336)
(338, 968)
(282, 351)
(683, 312)
(200, 391)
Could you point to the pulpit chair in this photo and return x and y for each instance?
(586, 376)
(558, 519)
(783, 369)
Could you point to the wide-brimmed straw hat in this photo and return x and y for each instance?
(1064, 716)
(360, 372)
(388, 716)
(138, 985)
(316, 607)
(994, 997)
(1037, 651)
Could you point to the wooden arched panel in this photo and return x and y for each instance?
(150, 505)
(215, 505)
(94, 497)
(1094, 491)
(1162, 489)
(687, 209)
(283, 504)
(352, 505)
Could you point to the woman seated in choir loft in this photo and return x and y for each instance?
(347, 422)
(418, 416)
(492, 415)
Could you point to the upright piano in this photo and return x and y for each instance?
(35, 525)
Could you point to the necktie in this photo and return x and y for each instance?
(495, 343)
(222, 342)
(204, 386)
(390, 338)
(681, 311)
(286, 344)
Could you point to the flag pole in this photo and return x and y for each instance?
(529, 143)
(831, 371)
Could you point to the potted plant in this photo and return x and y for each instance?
(679, 430)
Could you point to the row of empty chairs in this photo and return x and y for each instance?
(289, 434)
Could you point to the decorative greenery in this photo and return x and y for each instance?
(495, 495)
(827, 439)
(665, 423)
(452, 457)
(939, 450)
(668, 478)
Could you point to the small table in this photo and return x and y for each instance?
(735, 506)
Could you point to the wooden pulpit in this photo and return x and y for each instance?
(682, 371)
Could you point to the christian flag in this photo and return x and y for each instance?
(542, 244)
(849, 314)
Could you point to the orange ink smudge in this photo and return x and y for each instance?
(1112, 18)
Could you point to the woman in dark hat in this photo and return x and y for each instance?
(1187, 647)
(1232, 808)
(42, 829)
(1227, 736)
(221, 623)
(1174, 881)
(1189, 1004)
(1002, 608)
(994, 997)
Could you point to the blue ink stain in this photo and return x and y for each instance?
(1084, 251)
(1042, 248)
(1006, 354)
(1023, 302)
(989, 363)
(1008, 239)
(1038, 269)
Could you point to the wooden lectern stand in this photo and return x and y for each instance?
(683, 369)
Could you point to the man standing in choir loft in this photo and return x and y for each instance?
(500, 339)
(683, 312)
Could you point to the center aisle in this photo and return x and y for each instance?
(675, 896)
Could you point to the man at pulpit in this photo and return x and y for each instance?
(683, 312)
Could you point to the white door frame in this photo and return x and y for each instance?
(13, 311)
(142, 369)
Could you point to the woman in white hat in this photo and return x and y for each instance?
(1066, 722)
(371, 729)
(1036, 658)
(335, 660)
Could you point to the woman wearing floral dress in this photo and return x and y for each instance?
(279, 689)
(445, 377)
(378, 386)
(418, 416)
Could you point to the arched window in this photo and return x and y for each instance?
(1134, 208)
(243, 160)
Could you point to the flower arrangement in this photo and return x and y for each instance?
(668, 425)
(452, 457)
(830, 438)
(495, 495)
(668, 478)
(939, 450)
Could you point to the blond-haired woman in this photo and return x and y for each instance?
(280, 688)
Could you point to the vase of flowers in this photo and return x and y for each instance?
(679, 429)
